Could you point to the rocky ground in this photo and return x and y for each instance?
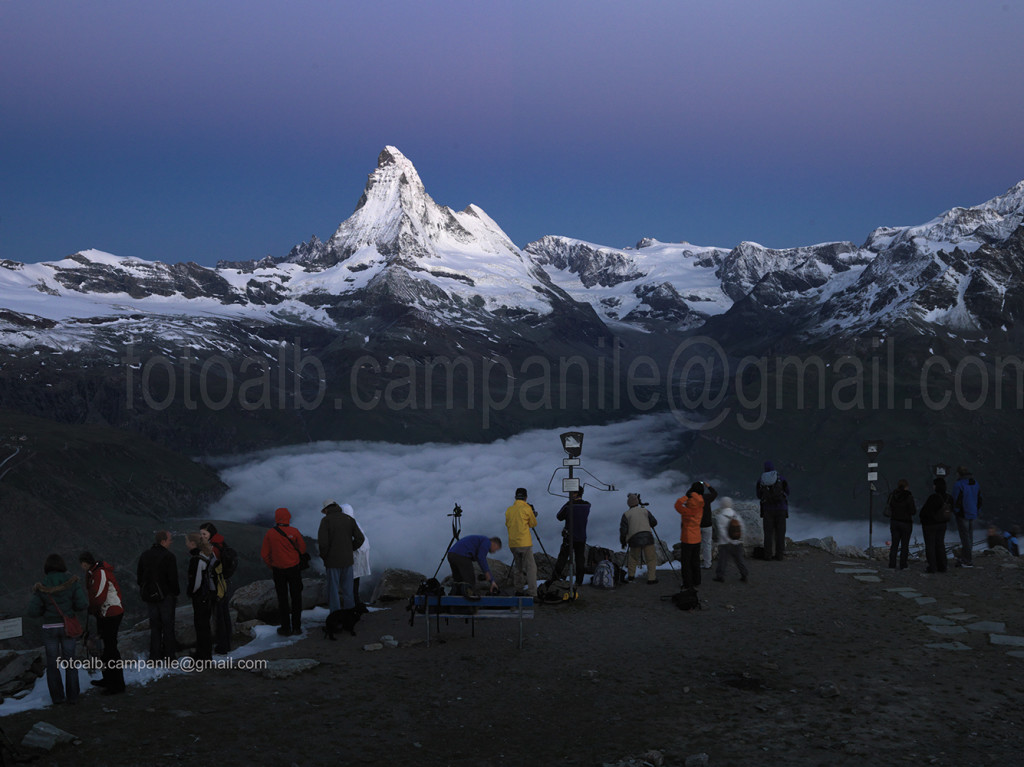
(807, 664)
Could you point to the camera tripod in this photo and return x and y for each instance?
(456, 516)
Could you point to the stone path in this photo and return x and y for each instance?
(953, 621)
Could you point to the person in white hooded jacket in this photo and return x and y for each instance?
(730, 540)
(360, 557)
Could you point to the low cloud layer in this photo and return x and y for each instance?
(402, 494)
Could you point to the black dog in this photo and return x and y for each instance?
(343, 620)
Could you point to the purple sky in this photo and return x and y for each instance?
(233, 129)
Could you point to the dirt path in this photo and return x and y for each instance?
(802, 666)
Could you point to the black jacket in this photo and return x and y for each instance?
(901, 506)
(158, 565)
(931, 512)
(710, 494)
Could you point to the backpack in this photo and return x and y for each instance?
(604, 575)
(947, 508)
(775, 493)
(734, 529)
(556, 591)
(228, 560)
(686, 599)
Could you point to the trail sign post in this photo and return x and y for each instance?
(872, 448)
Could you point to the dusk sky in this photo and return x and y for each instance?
(195, 131)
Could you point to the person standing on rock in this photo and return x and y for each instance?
(773, 492)
(901, 508)
(222, 611)
(967, 503)
(462, 554)
(730, 540)
(636, 530)
(574, 513)
(520, 518)
(935, 514)
(282, 550)
(157, 577)
(691, 511)
(57, 596)
(338, 538)
(202, 589)
(707, 526)
(105, 602)
(360, 559)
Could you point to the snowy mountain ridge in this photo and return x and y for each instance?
(400, 253)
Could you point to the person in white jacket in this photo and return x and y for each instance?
(730, 540)
(360, 557)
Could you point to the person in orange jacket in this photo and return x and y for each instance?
(282, 548)
(691, 509)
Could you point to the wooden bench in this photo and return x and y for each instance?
(483, 608)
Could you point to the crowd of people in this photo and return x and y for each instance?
(344, 549)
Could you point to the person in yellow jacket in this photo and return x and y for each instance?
(520, 517)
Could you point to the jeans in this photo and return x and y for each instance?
(59, 645)
(339, 588)
(900, 532)
(774, 534)
(733, 551)
(161, 628)
(965, 527)
(935, 547)
(524, 568)
(288, 584)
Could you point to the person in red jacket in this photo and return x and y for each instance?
(104, 593)
(691, 509)
(282, 548)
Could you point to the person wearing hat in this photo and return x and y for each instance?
(636, 530)
(520, 518)
(282, 550)
(338, 537)
(773, 492)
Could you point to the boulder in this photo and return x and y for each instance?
(258, 600)
(22, 671)
(45, 736)
(396, 584)
(850, 552)
(825, 544)
(286, 667)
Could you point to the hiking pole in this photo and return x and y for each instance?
(664, 548)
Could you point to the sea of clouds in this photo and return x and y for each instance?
(402, 494)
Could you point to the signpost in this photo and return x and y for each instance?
(10, 628)
(872, 448)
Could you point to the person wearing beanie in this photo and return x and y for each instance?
(338, 539)
(636, 530)
(934, 515)
(730, 540)
(520, 518)
(773, 492)
(282, 550)
(967, 504)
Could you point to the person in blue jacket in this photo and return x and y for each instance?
(461, 556)
(967, 504)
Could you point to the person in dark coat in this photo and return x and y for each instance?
(202, 590)
(157, 576)
(221, 612)
(574, 513)
(901, 508)
(934, 520)
(337, 538)
(707, 526)
(773, 492)
(58, 592)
